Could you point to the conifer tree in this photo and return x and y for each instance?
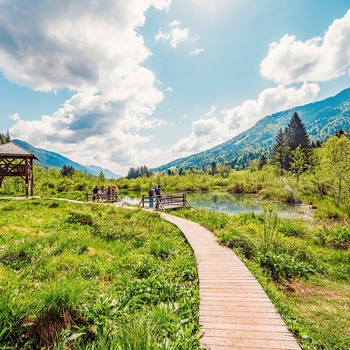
(280, 151)
(4, 138)
(294, 136)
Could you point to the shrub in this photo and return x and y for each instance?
(337, 237)
(283, 266)
(275, 193)
(80, 218)
(53, 204)
(161, 247)
(329, 211)
(233, 239)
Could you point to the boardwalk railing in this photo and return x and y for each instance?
(169, 201)
(102, 197)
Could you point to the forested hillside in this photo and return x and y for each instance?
(322, 119)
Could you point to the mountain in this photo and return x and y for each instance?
(321, 119)
(51, 159)
(96, 170)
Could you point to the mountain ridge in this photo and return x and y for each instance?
(321, 119)
(52, 159)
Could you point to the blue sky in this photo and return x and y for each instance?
(121, 83)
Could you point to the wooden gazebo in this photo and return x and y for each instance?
(16, 161)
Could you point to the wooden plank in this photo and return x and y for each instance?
(234, 311)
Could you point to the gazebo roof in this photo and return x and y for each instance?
(10, 149)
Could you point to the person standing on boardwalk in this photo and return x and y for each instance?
(158, 192)
(151, 196)
(94, 193)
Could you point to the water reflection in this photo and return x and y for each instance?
(230, 203)
(225, 202)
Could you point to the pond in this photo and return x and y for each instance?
(232, 204)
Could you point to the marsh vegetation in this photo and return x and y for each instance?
(94, 277)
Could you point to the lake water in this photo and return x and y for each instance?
(232, 204)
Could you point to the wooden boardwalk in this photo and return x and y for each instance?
(234, 311)
(168, 201)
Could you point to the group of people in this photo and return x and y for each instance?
(157, 191)
(109, 193)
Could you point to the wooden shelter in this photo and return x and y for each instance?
(16, 161)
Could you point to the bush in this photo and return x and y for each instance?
(233, 239)
(81, 218)
(161, 247)
(337, 237)
(275, 193)
(283, 266)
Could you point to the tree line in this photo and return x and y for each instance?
(5, 137)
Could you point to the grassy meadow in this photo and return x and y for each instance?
(303, 266)
(76, 276)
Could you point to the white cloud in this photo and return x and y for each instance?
(15, 117)
(176, 34)
(316, 60)
(207, 133)
(211, 111)
(269, 101)
(196, 51)
(94, 49)
(161, 4)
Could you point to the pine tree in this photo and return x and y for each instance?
(280, 151)
(4, 138)
(67, 170)
(294, 136)
(262, 161)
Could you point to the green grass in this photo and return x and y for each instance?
(304, 268)
(94, 277)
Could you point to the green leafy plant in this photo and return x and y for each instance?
(271, 237)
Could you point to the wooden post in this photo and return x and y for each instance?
(27, 176)
(31, 177)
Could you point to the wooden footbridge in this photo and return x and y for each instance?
(234, 311)
(163, 202)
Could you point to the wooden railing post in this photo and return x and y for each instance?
(142, 201)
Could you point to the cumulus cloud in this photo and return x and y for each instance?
(176, 34)
(289, 61)
(15, 117)
(209, 132)
(93, 49)
(315, 60)
(205, 133)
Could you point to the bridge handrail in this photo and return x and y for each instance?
(165, 200)
(102, 197)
